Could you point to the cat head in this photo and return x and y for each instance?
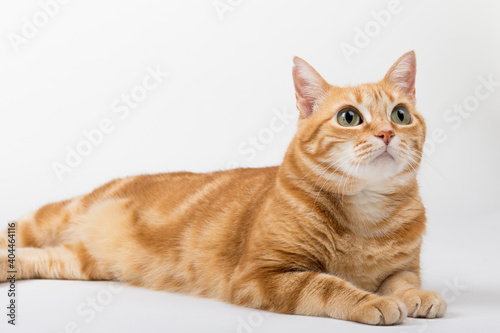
(368, 132)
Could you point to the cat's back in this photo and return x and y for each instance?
(174, 189)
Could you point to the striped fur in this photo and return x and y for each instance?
(333, 231)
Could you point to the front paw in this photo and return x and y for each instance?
(423, 304)
(381, 311)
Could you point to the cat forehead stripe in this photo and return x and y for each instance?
(388, 97)
(360, 107)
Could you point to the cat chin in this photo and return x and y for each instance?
(380, 168)
(384, 157)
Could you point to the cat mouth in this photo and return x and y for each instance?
(384, 156)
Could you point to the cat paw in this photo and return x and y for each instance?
(381, 311)
(424, 304)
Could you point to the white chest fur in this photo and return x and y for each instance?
(368, 207)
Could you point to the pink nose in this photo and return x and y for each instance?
(385, 135)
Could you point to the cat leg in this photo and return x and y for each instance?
(405, 285)
(69, 262)
(44, 227)
(318, 294)
(26, 233)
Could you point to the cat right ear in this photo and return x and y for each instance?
(310, 87)
(402, 74)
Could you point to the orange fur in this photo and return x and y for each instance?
(333, 231)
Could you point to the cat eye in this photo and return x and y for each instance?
(400, 115)
(349, 117)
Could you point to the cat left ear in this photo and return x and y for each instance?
(310, 87)
(402, 74)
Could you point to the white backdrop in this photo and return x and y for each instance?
(206, 85)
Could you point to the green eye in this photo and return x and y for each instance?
(400, 115)
(349, 117)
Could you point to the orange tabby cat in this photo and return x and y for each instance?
(335, 230)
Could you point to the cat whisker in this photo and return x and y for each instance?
(356, 163)
(319, 165)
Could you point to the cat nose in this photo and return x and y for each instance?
(385, 135)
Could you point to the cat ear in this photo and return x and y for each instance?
(310, 87)
(402, 73)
